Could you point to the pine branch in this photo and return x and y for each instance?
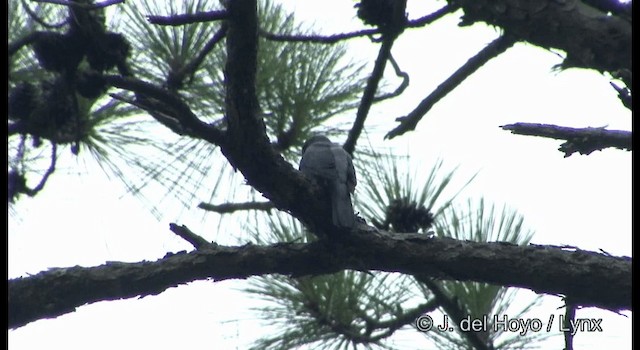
(249, 149)
(590, 38)
(334, 38)
(32, 192)
(369, 94)
(187, 18)
(320, 39)
(195, 240)
(624, 95)
(82, 6)
(24, 41)
(584, 141)
(568, 327)
(403, 86)
(175, 80)
(454, 310)
(392, 325)
(588, 278)
(410, 121)
(348, 331)
(227, 208)
(165, 105)
(34, 16)
(432, 17)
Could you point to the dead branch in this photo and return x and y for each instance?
(410, 121)
(583, 141)
(227, 208)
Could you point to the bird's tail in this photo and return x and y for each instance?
(341, 207)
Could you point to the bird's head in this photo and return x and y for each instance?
(314, 139)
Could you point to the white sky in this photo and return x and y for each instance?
(583, 201)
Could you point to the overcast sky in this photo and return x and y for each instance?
(583, 201)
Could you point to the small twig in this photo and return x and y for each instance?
(432, 17)
(52, 167)
(227, 208)
(410, 121)
(604, 252)
(321, 39)
(39, 20)
(454, 310)
(392, 325)
(334, 38)
(584, 141)
(187, 18)
(624, 95)
(369, 93)
(183, 232)
(174, 81)
(625, 76)
(82, 6)
(403, 86)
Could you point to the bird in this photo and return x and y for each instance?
(332, 167)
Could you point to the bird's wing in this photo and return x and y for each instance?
(341, 159)
(344, 167)
(319, 161)
(342, 209)
(351, 175)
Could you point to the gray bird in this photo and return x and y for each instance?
(331, 166)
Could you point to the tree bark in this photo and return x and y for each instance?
(590, 37)
(588, 278)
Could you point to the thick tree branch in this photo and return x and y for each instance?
(82, 6)
(167, 107)
(588, 278)
(432, 17)
(410, 121)
(590, 37)
(249, 149)
(584, 141)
